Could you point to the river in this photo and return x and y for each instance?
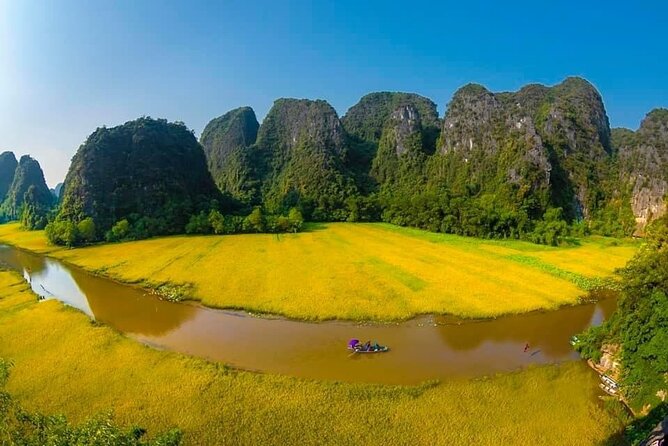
(425, 348)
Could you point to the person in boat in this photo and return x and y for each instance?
(376, 346)
(367, 346)
(526, 347)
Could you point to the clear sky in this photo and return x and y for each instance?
(67, 67)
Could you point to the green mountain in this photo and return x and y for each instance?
(300, 158)
(28, 190)
(8, 166)
(151, 172)
(366, 121)
(643, 166)
(401, 150)
(226, 140)
(535, 148)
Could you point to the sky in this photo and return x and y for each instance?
(70, 66)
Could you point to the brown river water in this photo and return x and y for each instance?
(428, 347)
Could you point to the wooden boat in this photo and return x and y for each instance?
(355, 346)
(360, 349)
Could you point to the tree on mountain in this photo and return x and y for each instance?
(35, 209)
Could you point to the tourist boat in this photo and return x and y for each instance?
(356, 346)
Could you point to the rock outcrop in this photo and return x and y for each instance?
(401, 147)
(300, 155)
(643, 166)
(367, 119)
(553, 140)
(226, 140)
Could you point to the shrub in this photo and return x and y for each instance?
(295, 219)
(120, 231)
(62, 233)
(255, 222)
(217, 222)
(199, 224)
(86, 230)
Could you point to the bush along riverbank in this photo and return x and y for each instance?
(632, 345)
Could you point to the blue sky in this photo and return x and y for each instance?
(67, 67)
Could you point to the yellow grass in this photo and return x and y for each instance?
(597, 258)
(65, 364)
(352, 271)
(32, 240)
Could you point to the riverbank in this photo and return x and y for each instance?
(66, 364)
(359, 272)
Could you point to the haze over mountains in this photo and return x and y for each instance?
(495, 165)
(22, 186)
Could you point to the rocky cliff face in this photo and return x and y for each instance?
(555, 139)
(401, 147)
(295, 122)
(301, 151)
(148, 170)
(8, 166)
(28, 176)
(366, 121)
(405, 122)
(469, 123)
(226, 140)
(643, 166)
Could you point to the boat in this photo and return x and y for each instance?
(379, 349)
(355, 346)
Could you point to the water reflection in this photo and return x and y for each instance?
(550, 331)
(432, 347)
(123, 307)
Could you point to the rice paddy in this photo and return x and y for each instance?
(353, 271)
(65, 364)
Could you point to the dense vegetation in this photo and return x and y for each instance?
(518, 165)
(640, 325)
(149, 177)
(149, 172)
(366, 121)
(21, 427)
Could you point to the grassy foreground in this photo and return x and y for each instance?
(353, 271)
(65, 364)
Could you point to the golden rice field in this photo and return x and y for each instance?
(65, 364)
(352, 271)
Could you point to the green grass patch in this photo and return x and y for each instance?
(582, 282)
